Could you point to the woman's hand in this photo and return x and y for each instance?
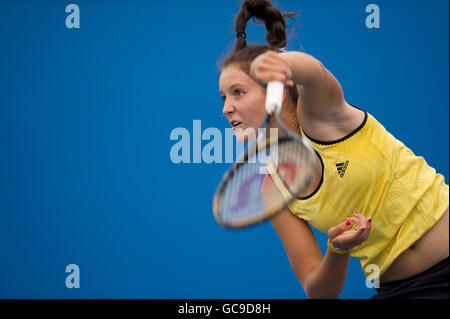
(342, 238)
(270, 66)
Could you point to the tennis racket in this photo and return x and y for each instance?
(269, 175)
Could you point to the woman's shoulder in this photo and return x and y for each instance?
(336, 128)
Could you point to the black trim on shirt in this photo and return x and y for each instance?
(343, 138)
(320, 183)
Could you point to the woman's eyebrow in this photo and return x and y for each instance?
(233, 87)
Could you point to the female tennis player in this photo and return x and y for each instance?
(374, 198)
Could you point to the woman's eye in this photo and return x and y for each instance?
(223, 97)
(238, 92)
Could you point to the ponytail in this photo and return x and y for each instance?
(273, 19)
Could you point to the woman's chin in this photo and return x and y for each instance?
(243, 136)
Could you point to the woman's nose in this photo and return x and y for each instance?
(228, 108)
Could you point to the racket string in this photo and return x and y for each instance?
(251, 193)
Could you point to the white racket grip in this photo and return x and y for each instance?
(274, 95)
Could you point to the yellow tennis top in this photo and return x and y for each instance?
(372, 172)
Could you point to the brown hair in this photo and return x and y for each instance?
(244, 54)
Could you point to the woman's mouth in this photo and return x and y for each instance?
(235, 124)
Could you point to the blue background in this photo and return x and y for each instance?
(85, 120)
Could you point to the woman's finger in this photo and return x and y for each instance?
(265, 77)
(289, 83)
(279, 70)
(274, 56)
(366, 233)
(364, 223)
(362, 220)
(358, 236)
(274, 66)
(280, 66)
(339, 229)
(354, 220)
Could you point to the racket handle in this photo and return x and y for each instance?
(274, 96)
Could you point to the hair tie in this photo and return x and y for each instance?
(241, 33)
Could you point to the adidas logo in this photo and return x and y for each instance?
(341, 168)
